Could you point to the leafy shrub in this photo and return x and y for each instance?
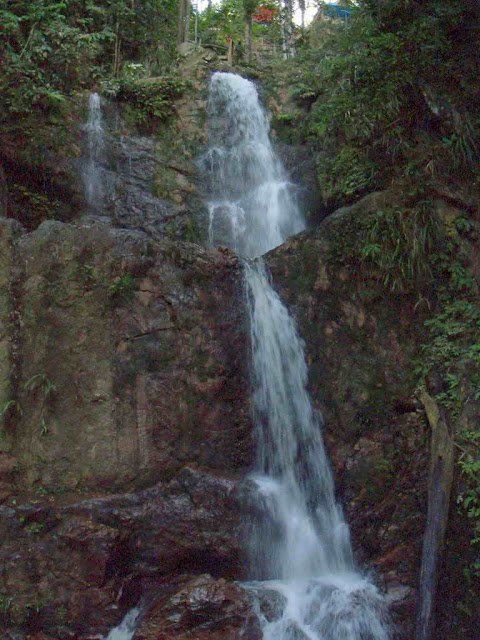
(121, 290)
(397, 245)
(344, 174)
(152, 98)
(469, 498)
(396, 79)
(453, 350)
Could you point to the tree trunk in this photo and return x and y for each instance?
(186, 31)
(248, 37)
(287, 29)
(181, 18)
(116, 54)
(439, 488)
(183, 21)
(301, 4)
(3, 193)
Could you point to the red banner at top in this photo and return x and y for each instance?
(264, 14)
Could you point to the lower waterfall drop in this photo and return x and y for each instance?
(301, 551)
(126, 628)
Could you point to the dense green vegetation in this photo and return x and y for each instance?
(52, 53)
(50, 49)
(234, 18)
(393, 91)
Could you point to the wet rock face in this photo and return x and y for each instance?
(145, 169)
(360, 345)
(128, 358)
(200, 608)
(75, 568)
(191, 523)
(140, 183)
(124, 361)
(299, 162)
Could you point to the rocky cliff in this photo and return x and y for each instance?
(364, 346)
(124, 361)
(360, 343)
(124, 394)
(128, 431)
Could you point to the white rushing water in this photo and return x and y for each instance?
(126, 628)
(92, 172)
(301, 550)
(250, 204)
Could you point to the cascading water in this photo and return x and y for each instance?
(250, 205)
(301, 550)
(92, 173)
(126, 628)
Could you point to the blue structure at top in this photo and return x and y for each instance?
(336, 11)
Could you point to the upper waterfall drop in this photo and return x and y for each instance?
(251, 208)
(301, 548)
(92, 172)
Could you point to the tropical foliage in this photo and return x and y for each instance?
(394, 87)
(48, 49)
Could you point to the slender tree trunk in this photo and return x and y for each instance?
(3, 193)
(288, 48)
(284, 39)
(116, 54)
(301, 4)
(248, 37)
(196, 25)
(183, 21)
(442, 460)
(186, 31)
(25, 46)
(181, 18)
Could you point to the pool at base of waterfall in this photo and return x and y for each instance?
(330, 607)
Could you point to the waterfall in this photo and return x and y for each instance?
(92, 171)
(301, 550)
(126, 628)
(250, 204)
